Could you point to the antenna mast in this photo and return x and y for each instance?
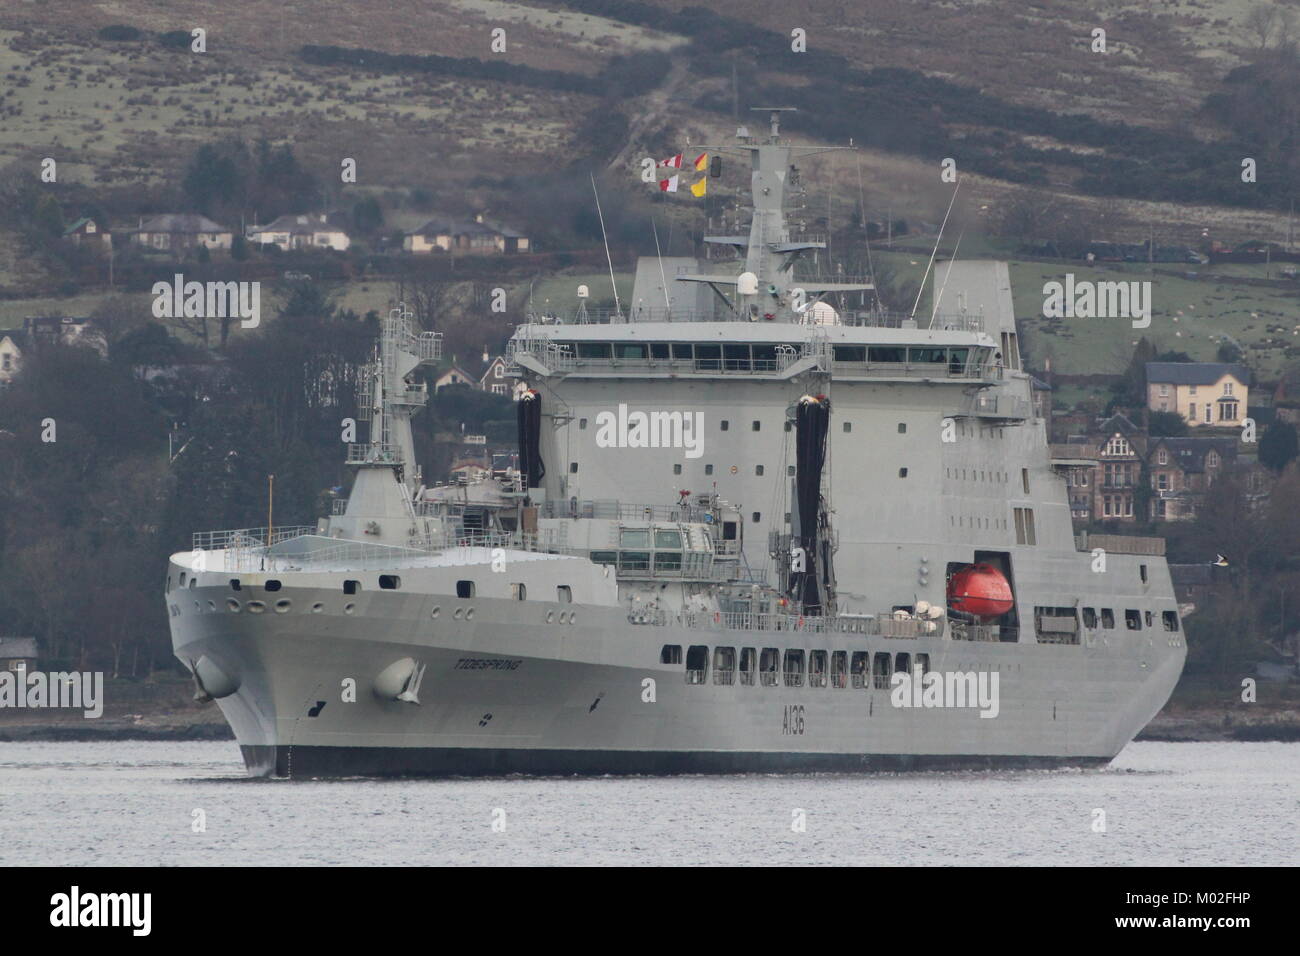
(618, 309)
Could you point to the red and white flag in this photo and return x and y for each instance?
(673, 161)
(668, 185)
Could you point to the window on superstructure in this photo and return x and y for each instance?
(880, 671)
(234, 584)
(1169, 619)
(351, 587)
(768, 664)
(564, 593)
(708, 469)
(1108, 619)
(816, 668)
(756, 426)
(902, 428)
(604, 557)
(735, 358)
(724, 425)
(668, 560)
(670, 654)
(518, 591)
(1133, 620)
(1089, 617)
(793, 669)
(629, 350)
(848, 426)
(902, 473)
(724, 665)
(887, 353)
(789, 470)
(697, 663)
(582, 424)
(1147, 615)
(748, 664)
(1024, 479)
(677, 469)
(659, 350)
(387, 582)
(708, 358)
(840, 670)
(902, 664)
(683, 351)
(593, 350)
(464, 589)
(1030, 536)
(758, 470)
(1142, 572)
(860, 669)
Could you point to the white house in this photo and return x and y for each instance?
(302, 231)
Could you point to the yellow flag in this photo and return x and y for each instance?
(700, 188)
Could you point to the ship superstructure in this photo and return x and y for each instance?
(746, 503)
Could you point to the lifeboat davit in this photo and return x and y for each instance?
(980, 590)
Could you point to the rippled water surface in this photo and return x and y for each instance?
(135, 802)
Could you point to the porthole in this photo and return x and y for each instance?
(573, 617)
(182, 579)
(212, 605)
(198, 606)
(317, 607)
(283, 605)
(436, 611)
(550, 617)
(469, 615)
(349, 608)
(256, 607)
(564, 617)
(233, 605)
(460, 612)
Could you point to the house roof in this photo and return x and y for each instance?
(190, 222)
(18, 647)
(299, 223)
(1194, 373)
(448, 227)
(77, 225)
(1189, 453)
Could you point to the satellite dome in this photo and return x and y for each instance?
(747, 284)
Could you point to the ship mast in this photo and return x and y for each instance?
(767, 289)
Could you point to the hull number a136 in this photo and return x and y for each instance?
(792, 721)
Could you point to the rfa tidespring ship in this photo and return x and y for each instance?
(744, 505)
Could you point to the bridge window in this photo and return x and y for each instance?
(387, 582)
(629, 350)
(351, 587)
(604, 557)
(886, 353)
(708, 358)
(1170, 620)
(880, 671)
(850, 353)
(668, 560)
(659, 350)
(1132, 620)
(859, 665)
(697, 663)
(464, 589)
(768, 662)
(670, 654)
(840, 669)
(793, 668)
(748, 664)
(593, 350)
(634, 560)
(724, 665)
(683, 351)
(668, 539)
(1108, 619)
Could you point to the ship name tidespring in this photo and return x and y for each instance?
(486, 664)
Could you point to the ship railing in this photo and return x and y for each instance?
(863, 318)
(1120, 544)
(374, 453)
(994, 406)
(614, 510)
(979, 632)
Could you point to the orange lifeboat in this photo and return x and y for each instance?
(980, 590)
